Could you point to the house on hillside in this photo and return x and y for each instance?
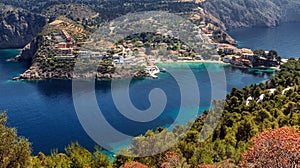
(226, 49)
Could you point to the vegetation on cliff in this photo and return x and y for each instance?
(14, 151)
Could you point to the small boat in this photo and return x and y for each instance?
(154, 76)
(163, 70)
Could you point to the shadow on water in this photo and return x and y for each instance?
(139, 91)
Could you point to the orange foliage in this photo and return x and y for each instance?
(274, 148)
(206, 166)
(171, 160)
(166, 165)
(133, 165)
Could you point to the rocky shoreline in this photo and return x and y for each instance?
(35, 73)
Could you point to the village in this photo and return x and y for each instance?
(137, 52)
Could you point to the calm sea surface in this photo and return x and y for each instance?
(43, 111)
(284, 39)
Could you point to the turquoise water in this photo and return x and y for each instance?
(43, 111)
(284, 38)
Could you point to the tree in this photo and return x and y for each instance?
(133, 165)
(100, 160)
(79, 156)
(274, 148)
(171, 160)
(259, 52)
(14, 151)
(273, 53)
(55, 160)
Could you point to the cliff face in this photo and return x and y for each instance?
(250, 13)
(28, 52)
(18, 27)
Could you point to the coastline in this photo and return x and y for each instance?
(47, 67)
(198, 61)
(31, 75)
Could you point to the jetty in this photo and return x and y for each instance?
(152, 71)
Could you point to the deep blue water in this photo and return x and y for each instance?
(43, 111)
(284, 38)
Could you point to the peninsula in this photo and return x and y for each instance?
(56, 49)
(60, 47)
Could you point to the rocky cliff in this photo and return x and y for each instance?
(250, 13)
(28, 52)
(18, 27)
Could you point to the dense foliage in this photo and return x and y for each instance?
(14, 151)
(75, 156)
(282, 145)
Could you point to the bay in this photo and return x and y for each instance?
(43, 111)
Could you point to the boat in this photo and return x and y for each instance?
(153, 76)
(163, 70)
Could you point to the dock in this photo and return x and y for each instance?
(152, 71)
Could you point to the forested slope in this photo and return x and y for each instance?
(240, 122)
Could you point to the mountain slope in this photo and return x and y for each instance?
(250, 13)
(18, 27)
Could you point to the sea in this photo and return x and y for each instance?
(284, 39)
(44, 111)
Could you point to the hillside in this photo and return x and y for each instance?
(81, 13)
(22, 21)
(45, 64)
(73, 11)
(89, 14)
(18, 26)
(233, 13)
(245, 13)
